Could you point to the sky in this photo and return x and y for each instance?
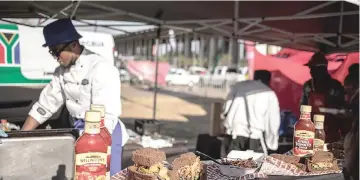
(123, 25)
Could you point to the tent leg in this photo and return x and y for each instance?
(157, 42)
(340, 23)
(235, 44)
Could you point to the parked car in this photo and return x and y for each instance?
(222, 75)
(181, 77)
(197, 70)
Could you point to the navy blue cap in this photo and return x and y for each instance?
(59, 32)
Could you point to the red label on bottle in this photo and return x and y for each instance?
(303, 142)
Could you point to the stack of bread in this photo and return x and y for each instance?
(149, 164)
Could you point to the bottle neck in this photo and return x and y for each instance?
(305, 116)
(92, 127)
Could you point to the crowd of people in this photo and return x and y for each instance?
(252, 113)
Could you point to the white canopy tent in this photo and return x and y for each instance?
(327, 26)
(307, 25)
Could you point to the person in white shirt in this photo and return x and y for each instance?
(252, 116)
(83, 78)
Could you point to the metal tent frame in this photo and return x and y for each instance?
(261, 24)
(252, 28)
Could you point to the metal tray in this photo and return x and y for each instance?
(38, 155)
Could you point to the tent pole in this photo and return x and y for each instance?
(51, 11)
(75, 9)
(307, 11)
(353, 42)
(224, 32)
(249, 26)
(18, 23)
(340, 23)
(212, 26)
(324, 41)
(157, 43)
(235, 50)
(275, 18)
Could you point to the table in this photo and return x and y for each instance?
(320, 177)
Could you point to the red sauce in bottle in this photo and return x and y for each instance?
(91, 150)
(319, 140)
(304, 133)
(105, 134)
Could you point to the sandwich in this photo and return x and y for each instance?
(186, 167)
(322, 161)
(294, 160)
(148, 165)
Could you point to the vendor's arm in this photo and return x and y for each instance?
(229, 100)
(273, 122)
(50, 100)
(106, 90)
(337, 95)
(305, 93)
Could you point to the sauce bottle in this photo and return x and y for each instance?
(105, 134)
(319, 139)
(304, 133)
(90, 150)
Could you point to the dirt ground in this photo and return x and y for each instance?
(138, 104)
(182, 115)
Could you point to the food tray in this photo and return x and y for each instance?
(272, 166)
(212, 173)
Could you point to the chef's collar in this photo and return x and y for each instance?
(84, 52)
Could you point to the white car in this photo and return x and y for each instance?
(181, 77)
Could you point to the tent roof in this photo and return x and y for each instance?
(306, 25)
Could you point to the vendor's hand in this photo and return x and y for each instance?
(30, 124)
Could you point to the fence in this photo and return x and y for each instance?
(207, 89)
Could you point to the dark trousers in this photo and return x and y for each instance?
(240, 144)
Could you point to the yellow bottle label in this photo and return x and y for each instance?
(318, 145)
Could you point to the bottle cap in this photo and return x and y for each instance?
(98, 107)
(305, 108)
(92, 116)
(319, 118)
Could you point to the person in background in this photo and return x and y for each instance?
(83, 78)
(351, 85)
(351, 141)
(322, 91)
(252, 115)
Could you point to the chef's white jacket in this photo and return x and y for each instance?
(252, 110)
(91, 80)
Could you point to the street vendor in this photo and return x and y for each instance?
(351, 85)
(351, 142)
(322, 91)
(252, 116)
(83, 78)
